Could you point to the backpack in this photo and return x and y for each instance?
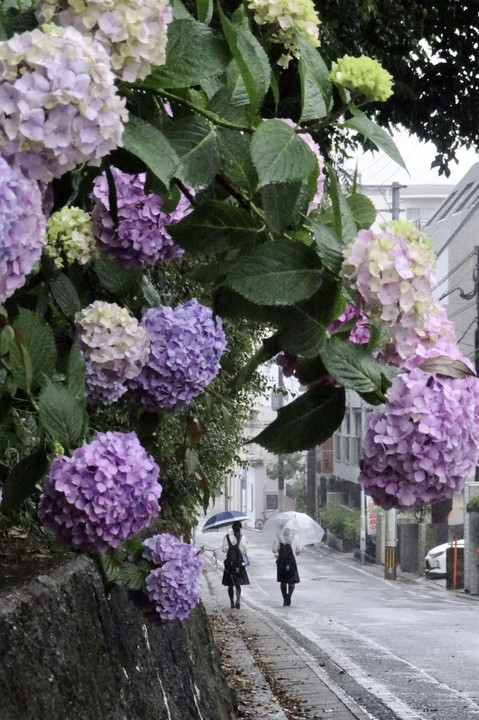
(285, 558)
(234, 559)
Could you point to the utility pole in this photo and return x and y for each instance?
(395, 188)
(391, 527)
(277, 403)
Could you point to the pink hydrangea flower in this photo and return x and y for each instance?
(313, 145)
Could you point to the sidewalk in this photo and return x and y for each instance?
(272, 677)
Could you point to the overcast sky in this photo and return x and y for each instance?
(379, 169)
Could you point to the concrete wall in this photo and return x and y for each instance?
(70, 652)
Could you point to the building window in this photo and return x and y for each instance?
(271, 501)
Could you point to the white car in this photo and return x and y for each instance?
(435, 560)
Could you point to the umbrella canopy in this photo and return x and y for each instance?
(286, 524)
(222, 519)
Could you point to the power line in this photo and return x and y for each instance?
(455, 269)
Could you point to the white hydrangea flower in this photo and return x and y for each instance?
(288, 17)
(58, 102)
(115, 347)
(134, 32)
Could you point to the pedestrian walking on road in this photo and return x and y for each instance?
(235, 575)
(285, 546)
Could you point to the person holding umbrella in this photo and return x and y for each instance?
(235, 575)
(285, 546)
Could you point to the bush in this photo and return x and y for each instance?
(342, 521)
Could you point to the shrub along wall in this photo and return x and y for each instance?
(69, 652)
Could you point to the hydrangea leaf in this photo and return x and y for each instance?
(306, 422)
(152, 147)
(363, 210)
(33, 356)
(214, 227)
(236, 161)
(22, 479)
(352, 365)
(329, 246)
(252, 60)
(66, 296)
(204, 10)
(370, 131)
(61, 415)
(303, 328)
(130, 576)
(118, 280)
(280, 204)
(279, 155)
(194, 53)
(340, 215)
(279, 273)
(197, 147)
(315, 82)
(76, 374)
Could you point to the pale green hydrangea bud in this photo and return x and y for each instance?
(412, 234)
(363, 76)
(70, 237)
(288, 17)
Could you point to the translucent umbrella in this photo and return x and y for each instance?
(289, 523)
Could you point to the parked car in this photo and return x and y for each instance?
(435, 560)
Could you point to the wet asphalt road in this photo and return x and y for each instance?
(412, 646)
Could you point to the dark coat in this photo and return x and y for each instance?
(286, 567)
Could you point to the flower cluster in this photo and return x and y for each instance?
(103, 494)
(132, 31)
(58, 102)
(313, 145)
(70, 237)
(139, 237)
(115, 347)
(394, 277)
(186, 345)
(288, 17)
(424, 443)
(175, 585)
(22, 228)
(355, 319)
(363, 76)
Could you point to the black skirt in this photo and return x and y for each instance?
(229, 580)
(291, 576)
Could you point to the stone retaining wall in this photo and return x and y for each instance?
(69, 652)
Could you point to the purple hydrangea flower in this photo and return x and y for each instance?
(288, 362)
(115, 347)
(359, 332)
(58, 102)
(422, 446)
(140, 238)
(105, 493)
(175, 585)
(186, 345)
(22, 228)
